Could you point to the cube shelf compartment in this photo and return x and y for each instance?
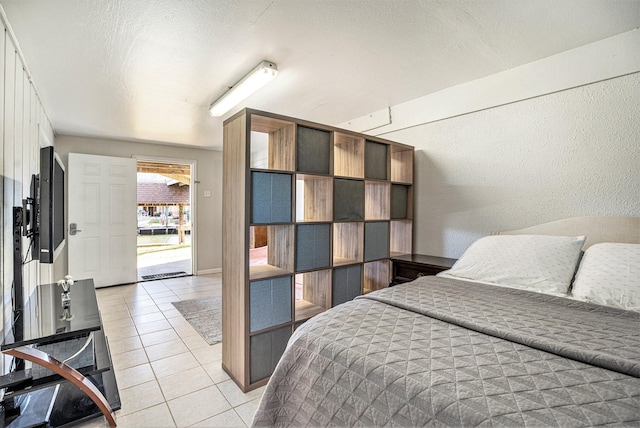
(269, 302)
(266, 349)
(313, 151)
(376, 276)
(270, 197)
(276, 259)
(376, 160)
(314, 194)
(400, 238)
(313, 246)
(348, 155)
(347, 284)
(400, 198)
(272, 143)
(311, 215)
(376, 200)
(312, 293)
(348, 243)
(348, 199)
(376, 240)
(402, 164)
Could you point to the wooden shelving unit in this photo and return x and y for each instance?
(311, 216)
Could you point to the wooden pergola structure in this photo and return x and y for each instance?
(178, 172)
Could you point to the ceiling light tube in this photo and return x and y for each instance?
(256, 79)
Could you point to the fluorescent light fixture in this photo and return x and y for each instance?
(256, 79)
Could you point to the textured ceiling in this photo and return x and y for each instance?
(147, 70)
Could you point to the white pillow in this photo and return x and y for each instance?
(534, 262)
(609, 274)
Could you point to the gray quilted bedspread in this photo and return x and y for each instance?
(440, 352)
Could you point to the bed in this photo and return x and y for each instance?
(525, 330)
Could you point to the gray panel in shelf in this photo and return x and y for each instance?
(348, 200)
(376, 240)
(375, 160)
(269, 302)
(270, 198)
(266, 349)
(313, 246)
(313, 150)
(346, 283)
(399, 198)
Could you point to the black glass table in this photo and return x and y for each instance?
(61, 335)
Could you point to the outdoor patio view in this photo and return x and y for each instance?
(164, 231)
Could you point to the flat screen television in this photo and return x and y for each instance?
(52, 234)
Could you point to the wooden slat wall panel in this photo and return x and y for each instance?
(18, 104)
(21, 118)
(8, 175)
(26, 159)
(4, 213)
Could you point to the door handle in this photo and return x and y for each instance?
(73, 229)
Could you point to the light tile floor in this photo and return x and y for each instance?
(168, 376)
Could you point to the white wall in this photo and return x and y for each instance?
(571, 153)
(24, 126)
(208, 214)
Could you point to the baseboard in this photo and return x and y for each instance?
(209, 271)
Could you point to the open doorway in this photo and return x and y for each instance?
(164, 241)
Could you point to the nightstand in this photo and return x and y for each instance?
(411, 266)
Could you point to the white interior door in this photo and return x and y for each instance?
(102, 206)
